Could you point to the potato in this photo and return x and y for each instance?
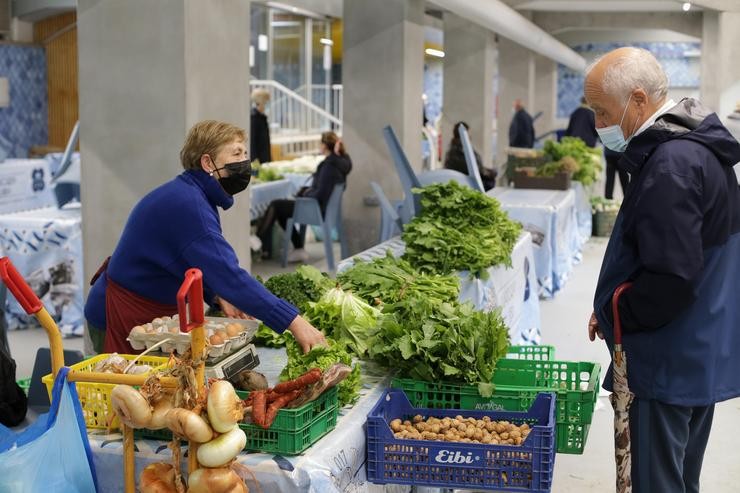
(418, 419)
(396, 425)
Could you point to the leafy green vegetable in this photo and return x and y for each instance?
(588, 158)
(322, 358)
(266, 337)
(389, 279)
(346, 318)
(432, 341)
(459, 229)
(268, 174)
(301, 287)
(601, 204)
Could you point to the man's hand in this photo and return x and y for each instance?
(230, 310)
(593, 328)
(306, 335)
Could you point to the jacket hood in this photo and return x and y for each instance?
(688, 120)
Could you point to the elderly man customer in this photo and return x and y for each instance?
(677, 239)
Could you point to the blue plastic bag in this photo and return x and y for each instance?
(52, 454)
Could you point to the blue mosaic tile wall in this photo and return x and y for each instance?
(25, 122)
(682, 71)
(433, 74)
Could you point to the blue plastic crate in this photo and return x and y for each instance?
(527, 467)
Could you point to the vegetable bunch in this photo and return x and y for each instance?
(459, 229)
(389, 280)
(588, 158)
(431, 341)
(301, 287)
(322, 358)
(346, 318)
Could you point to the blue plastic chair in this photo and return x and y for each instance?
(444, 176)
(472, 163)
(307, 212)
(409, 180)
(390, 221)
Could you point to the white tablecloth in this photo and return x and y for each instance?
(550, 215)
(513, 289)
(45, 245)
(264, 193)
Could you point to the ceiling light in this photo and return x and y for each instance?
(686, 6)
(436, 53)
(326, 41)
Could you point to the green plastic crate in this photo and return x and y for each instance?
(538, 353)
(295, 430)
(24, 384)
(517, 383)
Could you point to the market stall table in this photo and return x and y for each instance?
(335, 463)
(550, 215)
(265, 192)
(512, 289)
(45, 245)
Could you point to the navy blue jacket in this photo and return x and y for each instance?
(259, 137)
(331, 172)
(582, 124)
(677, 238)
(521, 130)
(173, 228)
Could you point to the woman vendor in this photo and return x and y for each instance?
(175, 227)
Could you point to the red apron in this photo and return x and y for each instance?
(124, 310)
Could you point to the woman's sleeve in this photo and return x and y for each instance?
(223, 276)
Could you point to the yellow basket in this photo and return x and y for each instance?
(95, 397)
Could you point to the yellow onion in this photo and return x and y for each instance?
(225, 409)
(158, 478)
(131, 407)
(222, 480)
(223, 449)
(159, 413)
(189, 425)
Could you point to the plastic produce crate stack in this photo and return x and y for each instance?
(524, 468)
(95, 397)
(517, 383)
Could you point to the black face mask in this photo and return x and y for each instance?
(240, 174)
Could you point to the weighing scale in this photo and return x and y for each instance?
(229, 366)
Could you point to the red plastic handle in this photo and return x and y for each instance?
(19, 287)
(615, 311)
(192, 289)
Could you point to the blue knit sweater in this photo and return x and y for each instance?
(176, 227)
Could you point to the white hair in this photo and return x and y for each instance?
(635, 68)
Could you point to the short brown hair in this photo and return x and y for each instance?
(207, 137)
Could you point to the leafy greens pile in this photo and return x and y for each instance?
(389, 280)
(587, 158)
(432, 341)
(305, 285)
(346, 318)
(459, 229)
(322, 358)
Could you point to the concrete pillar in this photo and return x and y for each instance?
(545, 94)
(720, 74)
(469, 67)
(516, 81)
(382, 71)
(148, 72)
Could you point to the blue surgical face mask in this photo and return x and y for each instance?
(612, 137)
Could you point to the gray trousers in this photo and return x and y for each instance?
(668, 444)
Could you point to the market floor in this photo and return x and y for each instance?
(564, 326)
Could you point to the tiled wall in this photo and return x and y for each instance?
(683, 72)
(433, 74)
(25, 122)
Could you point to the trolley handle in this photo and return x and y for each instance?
(615, 311)
(19, 287)
(192, 289)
